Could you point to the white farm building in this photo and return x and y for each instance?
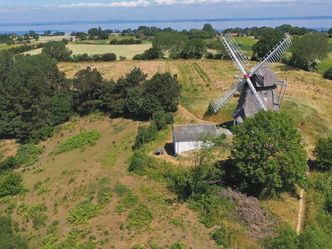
(189, 137)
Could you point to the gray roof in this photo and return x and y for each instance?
(193, 132)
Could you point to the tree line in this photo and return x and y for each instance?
(36, 96)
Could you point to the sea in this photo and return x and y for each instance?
(320, 23)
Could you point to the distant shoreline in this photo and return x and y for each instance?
(320, 23)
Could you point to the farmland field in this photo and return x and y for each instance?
(308, 95)
(127, 51)
(60, 205)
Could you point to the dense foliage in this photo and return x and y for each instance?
(57, 50)
(268, 155)
(267, 39)
(149, 54)
(328, 74)
(308, 50)
(8, 237)
(323, 153)
(29, 85)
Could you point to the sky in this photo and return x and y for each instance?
(34, 11)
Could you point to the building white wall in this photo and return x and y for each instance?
(180, 147)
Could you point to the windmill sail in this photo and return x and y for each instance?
(219, 103)
(275, 55)
(233, 48)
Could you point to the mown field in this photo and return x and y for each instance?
(127, 51)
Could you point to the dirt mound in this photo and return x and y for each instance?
(258, 221)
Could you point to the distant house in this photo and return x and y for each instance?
(189, 137)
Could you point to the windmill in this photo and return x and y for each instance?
(259, 88)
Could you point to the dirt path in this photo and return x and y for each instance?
(300, 215)
(190, 115)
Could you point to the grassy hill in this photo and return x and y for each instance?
(79, 194)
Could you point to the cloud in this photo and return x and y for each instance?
(165, 2)
(124, 4)
(142, 3)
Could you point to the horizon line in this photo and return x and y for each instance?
(230, 19)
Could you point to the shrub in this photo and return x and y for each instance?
(149, 54)
(83, 212)
(286, 239)
(178, 245)
(8, 238)
(139, 217)
(169, 118)
(121, 189)
(80, 141)
(139, 161)
(109, 57)
(159, 118)
(145, 135)
(328, 74)
(323, 153)
(9, 163)
(28, 154)
(211, 207)
(222, 236)
(10, 184)
(129, 200)
(313, 238)
(104, 195)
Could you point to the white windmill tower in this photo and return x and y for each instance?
(258, 87)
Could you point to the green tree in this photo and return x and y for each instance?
(149, 54)
(57, 50)
(170, 41)
(308, 50)
(165, 88)
(61, 108)
(268, 38)
(31, 83)
(323, 153)
(268, 155)
(87, 90)
(145, 135)
(193, 49)
(208, 27)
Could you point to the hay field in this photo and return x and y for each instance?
(127, 51)
(308, 97)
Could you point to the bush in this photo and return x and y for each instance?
(83, 212)
(313, 238)
(149, 54)
(169, 118)
(323, 153)
(178, 245)
(10, 184)
(109, 57)
(286, 239)
(104, 196)
(145, 135)
(328, 74)
(139, 217)
(159, 118)
(8, 238)
(80, 141)
(139, 161)
(28, 154)
(223, 237)
(268, 155)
